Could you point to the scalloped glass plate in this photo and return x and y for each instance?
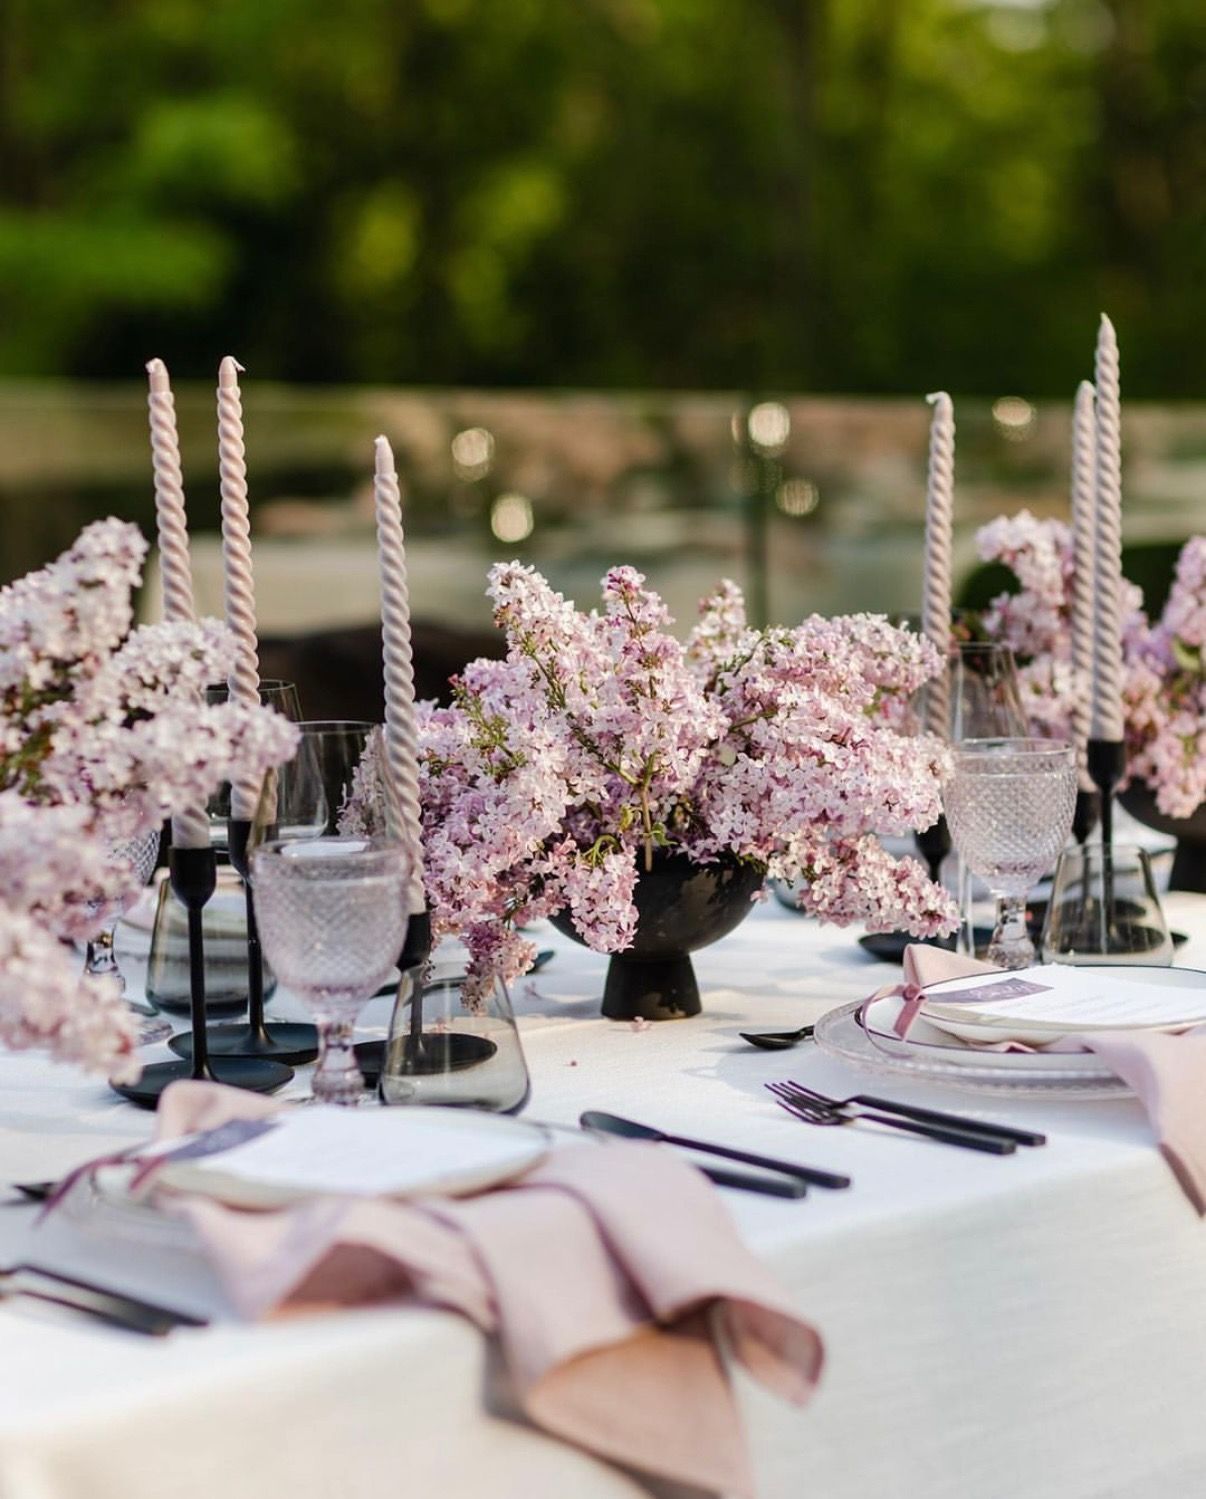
(840, 1035)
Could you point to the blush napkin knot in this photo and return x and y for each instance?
(611, 1276)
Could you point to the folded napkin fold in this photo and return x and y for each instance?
(610, 1274)
(1165, 1069)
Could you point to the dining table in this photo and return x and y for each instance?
(995, 1327)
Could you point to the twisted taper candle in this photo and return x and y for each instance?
(190, 826)
(939, 513)
(1084, 471)
(172, 527)
(244, 679)
(1105, 706)
(401, 739)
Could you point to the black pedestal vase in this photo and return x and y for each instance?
(681, 906)
(1189, 860)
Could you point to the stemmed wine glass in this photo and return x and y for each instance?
(332, 915)
(982, 700)
(274, 693)
(100, 958)
(1010, 802)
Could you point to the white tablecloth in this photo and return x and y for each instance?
(1028, 1326)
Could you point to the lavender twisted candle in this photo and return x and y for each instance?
(190, 826)
(239, 586)
(1105, 703)
(401, 739)
(939, 512)
(1084, 474)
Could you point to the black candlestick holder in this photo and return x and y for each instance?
(1105, 760)
(1086, 815)
(292, 1042)
(193, 874)
(933, 844)
(413, 961)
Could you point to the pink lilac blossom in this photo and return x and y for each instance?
(1164, 694)
(601, 738)
(1164, 689)
(46, 1001)
(102, 735)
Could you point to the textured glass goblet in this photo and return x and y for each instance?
(1009, 803)
(332, 917)
(101, 957)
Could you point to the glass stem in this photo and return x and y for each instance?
(1011, 946)
(100, 960)
(338, 1078)
(967, 917)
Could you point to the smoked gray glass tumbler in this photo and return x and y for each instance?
(452, 1044)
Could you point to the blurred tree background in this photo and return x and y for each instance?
(839, 195)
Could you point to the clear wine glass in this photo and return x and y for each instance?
(274, 693)
(1010, 802)
(984, 696)
(100, 959)
(332, 916)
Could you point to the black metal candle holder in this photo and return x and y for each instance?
(291, 1042)
(1105, 760)
(933, 844)
(1086, 815)
(413, 960)
(193, 874)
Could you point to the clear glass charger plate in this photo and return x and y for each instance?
(840, 1035)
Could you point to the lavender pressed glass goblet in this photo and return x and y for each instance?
(332, 917)
(1010, 803)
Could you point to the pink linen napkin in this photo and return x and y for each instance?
(1165, 1069)
(611, 1275)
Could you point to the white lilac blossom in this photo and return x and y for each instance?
(601, 738)
(103, 734)
(1164, 689)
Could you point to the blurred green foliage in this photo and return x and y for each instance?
(860, 195)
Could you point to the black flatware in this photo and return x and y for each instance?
(777, 1040)
(812, 1112)
(612, 1124)
(746, 1181)
(927, 1116)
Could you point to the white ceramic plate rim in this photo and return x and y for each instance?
(531, 1145)
(925, 1039)
(1042, 1033)
(839, 1034)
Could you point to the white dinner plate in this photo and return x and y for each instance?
(988, 1028)
(419, 1151)
(927, 1039)
(396, 1153)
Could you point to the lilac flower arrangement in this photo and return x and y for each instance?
(1164, 693)
(103, 734)
(558, 772)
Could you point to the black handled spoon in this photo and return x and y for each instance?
(777, 1040)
